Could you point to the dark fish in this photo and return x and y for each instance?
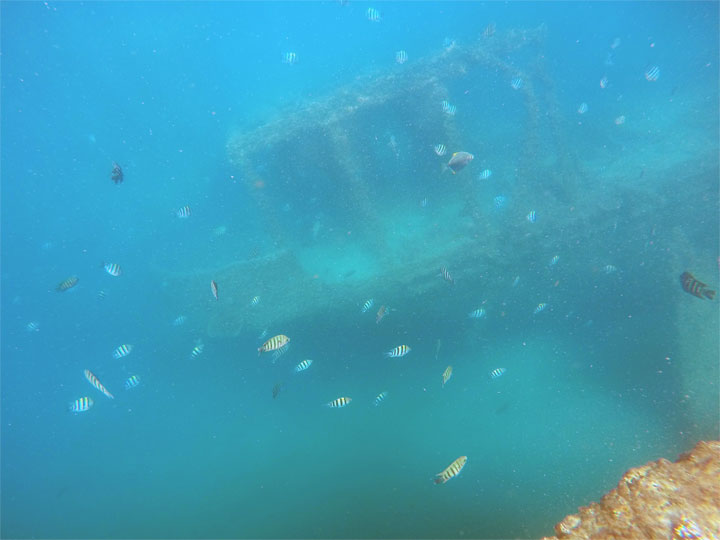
(116, 175)
(695, 287)
(69, 283)
(276, 389)
(459, 160)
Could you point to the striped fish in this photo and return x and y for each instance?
(255, 301)
(302, 366)
(81, 405)
(554, 260)
(446, 375)
(652, 74)
(32, 326)
(373, 15)
(92, 379)
(132, 382)
(197, 350)
(695, 287)
(184, 212)
(69, 283)
(380, 398)
(452, 471)
(497, 373)
(401, 57)
(477, 314)
(367, 306)
(122, 351)
(532, 216)
(440, 149)
(274, 343)
(398, 352)
(516, 83)
(113, 269)
(339, 402)
(214, 289)
(540, 307)
(446, 275)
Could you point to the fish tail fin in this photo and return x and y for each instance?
(259, 351)
(438, 479)
(710, 295)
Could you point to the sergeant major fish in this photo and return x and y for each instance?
(69, 283)
(452, 470)
(81, 405)
(398, 352)
(274, 343)
(695, 287)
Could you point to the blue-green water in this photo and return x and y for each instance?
(619, 369)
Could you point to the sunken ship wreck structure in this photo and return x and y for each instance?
(344, 143)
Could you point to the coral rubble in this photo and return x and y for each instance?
(662, 499)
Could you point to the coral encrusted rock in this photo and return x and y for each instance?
(660, 500)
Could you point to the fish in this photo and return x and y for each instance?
(197, 349)
(255, 301)
(477, 314)
(381, 314)
(448, 44)
(373, 15)
(446, 375)
(424, 202)
(183, 212)
(452, 471)
(604, 82)
(652, 74)
(92, 379)
(339, 402)
(695, 287)
(274, 343)
(81, 405)
(554, 260)
(69, 283)
(122, 351)
(516, 83)
(540, 307)
(290, 58)
(448, 108)
(401, 57)
(485, 174)
(116, 175)
(446, 275)
(609, 269)
(214, 289)
(459, 161)
(615, 43)
(367, 305)
(276, 389)
(582, 108)
(302, 366)
(380, 398)
(180, 320)
(101, 295)
(497, 372)
(398, 352)
(131, 382)
(499, 201)
(532, 216)
(440, 149)
(620, 120)
(32, 326)
(489, 30)
(516, 281)
(113, 269)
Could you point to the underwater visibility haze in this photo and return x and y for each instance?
(351, 270)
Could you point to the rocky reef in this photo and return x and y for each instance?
(679, 500)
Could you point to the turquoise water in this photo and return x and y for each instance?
(619, 369)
